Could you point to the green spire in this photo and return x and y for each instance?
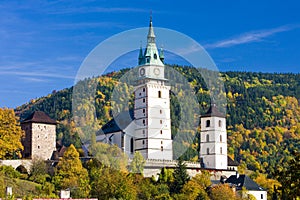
(151, 36)
(151, 55)
(141, 57)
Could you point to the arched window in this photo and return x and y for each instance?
(144, 110)
(207, 138)
(131, 145)
(220, 123)
(159, 94)
(207, 151)
(207, 123)
(220, 138)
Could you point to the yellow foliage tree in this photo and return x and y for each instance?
(70, 174)
(222, 191)
(10, 135)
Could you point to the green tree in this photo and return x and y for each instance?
(10, 135)
(180, 177)
(109, 155)
(137, 164)
(70, 173)
(289, 178)
(166, 176)
(39, 171)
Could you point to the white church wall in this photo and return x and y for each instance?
(259, 195)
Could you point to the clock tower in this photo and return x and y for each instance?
(152, 104)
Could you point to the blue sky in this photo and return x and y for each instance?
(43, 43)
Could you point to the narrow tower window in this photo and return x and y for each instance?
(207, 123)
(221, 150)
(207, 138)
(131, 145)
(144, 110)
(220, 123)
(159, 94)
(220, 138)
(207, 151)
(144, 100)
(160, 131)
(144, 89)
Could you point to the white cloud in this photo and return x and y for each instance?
(32, 79)
(253, 36)
(95, 9)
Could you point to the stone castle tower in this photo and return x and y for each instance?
(213, 139)
(152, 104)
(40, 136)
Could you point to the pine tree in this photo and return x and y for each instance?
(180, 177)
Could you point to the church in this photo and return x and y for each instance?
(147, 129)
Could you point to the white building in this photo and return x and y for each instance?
(213, 139)
(148, 129)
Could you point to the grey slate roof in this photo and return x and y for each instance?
(244, 181)
(231, 162)
(39, 117)
(119, 123)
(213, 112)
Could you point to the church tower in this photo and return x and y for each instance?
(213, 141)
(152, 104)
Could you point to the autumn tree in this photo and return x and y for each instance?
(70, 173)
(196, 187)
(10, 135)
(222, 191)
(109, 183)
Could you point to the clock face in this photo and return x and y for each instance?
(156, 71)
(142, 71)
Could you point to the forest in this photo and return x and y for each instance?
(262, 113)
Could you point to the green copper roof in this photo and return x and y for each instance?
(151, 55)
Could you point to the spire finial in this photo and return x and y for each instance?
(150, 15)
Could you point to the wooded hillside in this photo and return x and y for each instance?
(263, 113)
